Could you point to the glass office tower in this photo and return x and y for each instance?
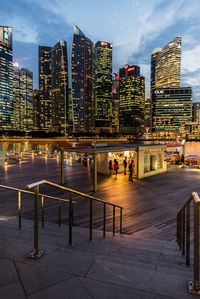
(22, 99)
(59, 82)
(6, 78)
(172, 108)
(82, 65)
(44, 55)
(131, 100)
(166, 65)
(103, 87)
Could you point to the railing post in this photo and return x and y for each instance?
(59, 214)
(91, 219)
(70, 219)
(120, 221)
(62, 166)
(113, 220)
(36, 253)
(104, 219)
(196, 246)
(19, 208)
(183, 232)
(188, 236)
(42, 199)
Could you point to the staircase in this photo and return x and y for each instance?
(114, 267)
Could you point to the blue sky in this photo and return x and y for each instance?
(135, 27)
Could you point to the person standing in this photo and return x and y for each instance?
(116, 167)
(131, 168)
(125, 164)
(110, 167)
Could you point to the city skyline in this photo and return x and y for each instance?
(134, 28)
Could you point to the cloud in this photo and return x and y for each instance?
(23, 30)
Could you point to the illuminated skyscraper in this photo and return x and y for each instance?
(166, 65)
(59, 82)
(82, 64)
(23, 99)
(131, 100)
(196, 112)
(44, 54)
(172, 108)
(115, 104)
(103, 86)
(6, 78)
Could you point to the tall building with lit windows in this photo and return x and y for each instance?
(44, 55)
(172, 108)
(131, 100)
(166, 65)
(22, 99)
(103, 87)
(82, 65)
(59, 83)
(6, 78)
(196, 112)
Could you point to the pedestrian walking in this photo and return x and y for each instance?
(110, 167)
(131, 169)
(125, 163)
(116, 167)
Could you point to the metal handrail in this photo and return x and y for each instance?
(183, 238)
(36, 253)
(36, 185)
(41, 194)
(30, 186)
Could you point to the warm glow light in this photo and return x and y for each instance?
(16, 64)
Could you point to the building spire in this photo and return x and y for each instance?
(77, 31)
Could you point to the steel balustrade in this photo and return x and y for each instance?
(36, 253)
(183, 234)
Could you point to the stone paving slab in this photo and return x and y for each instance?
(152, 281)
(12, 291)
(72, 289)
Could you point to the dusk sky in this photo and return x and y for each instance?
(134, 27)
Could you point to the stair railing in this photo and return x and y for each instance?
(183, 234)
(86, 196)
(36, 253)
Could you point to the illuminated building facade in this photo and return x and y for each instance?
(82, 64)
(44, 54)
(172, 108)
(115, 104)
(22, 99)
(196, 112)
(6, 78)
(36, 109)
(59, 83)
(131, 100)
(103, 87)
(147, 115)
(166, 65)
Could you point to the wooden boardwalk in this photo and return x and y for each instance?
(150, 205)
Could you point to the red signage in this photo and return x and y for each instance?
(104, 44)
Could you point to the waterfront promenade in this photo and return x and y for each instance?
(150, 205)
(145, 265)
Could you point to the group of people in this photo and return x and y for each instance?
(115, 166)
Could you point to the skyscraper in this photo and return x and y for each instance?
(131, 100)
(44, 55)
(6, 78)
(82, 64)
(103, 86)
(196, 112)
(166, 65)
(171, 104)
(59, 82)
(172, 108)
(115, 104)
(22, 99)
